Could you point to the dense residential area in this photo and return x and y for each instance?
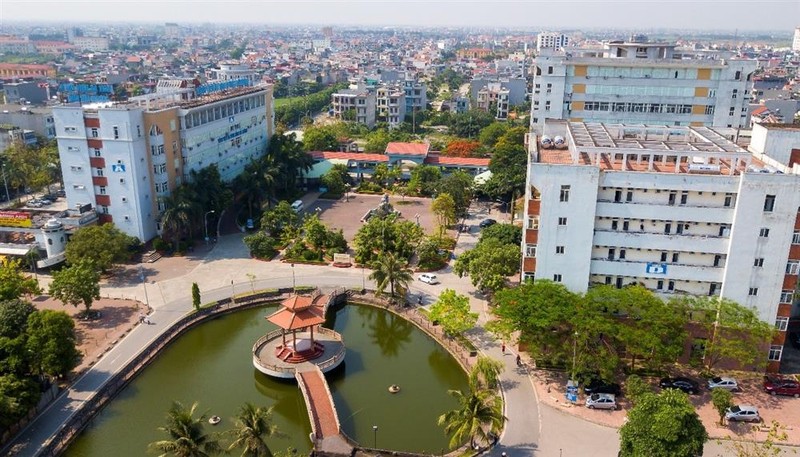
(373, 240)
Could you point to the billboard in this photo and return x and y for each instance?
(656, 268)
(15, 219)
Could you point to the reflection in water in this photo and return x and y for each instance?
(212, 364)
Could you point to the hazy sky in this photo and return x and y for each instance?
(642, 14)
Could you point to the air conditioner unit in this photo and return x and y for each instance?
(122, 180)
(124, 199)
(127, 218)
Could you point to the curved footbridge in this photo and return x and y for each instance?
(326, 433)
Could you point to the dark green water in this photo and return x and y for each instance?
(212, 364)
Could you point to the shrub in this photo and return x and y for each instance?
(261, 245)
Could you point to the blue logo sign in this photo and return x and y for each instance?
(656, 268)
(118, 168)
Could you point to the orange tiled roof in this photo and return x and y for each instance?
(290, 320)
(327, 155)
(443, 160)
(407, 148)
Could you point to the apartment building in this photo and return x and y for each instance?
(416, 95)
(631, 83)
(679, 210)
(796, 40)
(355, 104)
(391, 105)
(126, 158)
(551, 40)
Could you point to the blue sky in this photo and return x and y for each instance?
(642, 14)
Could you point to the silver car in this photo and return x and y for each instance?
(744, 413)
(723, 383)
(601, 401)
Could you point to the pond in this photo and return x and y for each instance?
(212, 364)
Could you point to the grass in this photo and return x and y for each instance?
(285, 101)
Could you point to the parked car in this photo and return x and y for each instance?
(775, 385)
(690, 386)
(596, 386)
(601, 401)
(429, 278)
(723, 383)
(487, 223)
(744, 413)
(33, 204)
(61, 193)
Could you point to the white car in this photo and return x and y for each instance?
(428, 278)
(723, 383)
(743, 413)
(601, 401)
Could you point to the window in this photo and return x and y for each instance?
(684, 198)
(96, 152)
(712, 289)
(622, 254)
(549, 70)
(735, 93)
(533, 223)
(611, 253)
(530, 250)
(728, 200)
(556, 277)
(626, 225)
(671, 285)
(671, 200)
(759, 262)
(102, 190)
(674, 257)
(787, 296)
(564, 197)
(753, 291)
(139, 130)
(629, 196)
(732, 111)
(763, 233)
(95, 133)
(617, 196)
(559, 249)
(98, 171)
(614, 224)
(792, 267)
(796, 238)
(562, 221)
(775, 353)
(717, 260)
(660, 285)
(769, 203)
(667, 228)
(663, 256)
(781, 323)
(116, 132)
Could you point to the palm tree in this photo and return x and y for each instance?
(253, 425)
(178, 215)
(392, 272)
(186, 435)
(479, 414)
(485, 373)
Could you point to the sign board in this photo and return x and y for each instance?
(656, 268)
(15, 219)
(342, 260)
(118, 167)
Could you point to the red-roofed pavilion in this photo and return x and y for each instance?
(299, 313)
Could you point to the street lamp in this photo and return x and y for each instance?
(294, 288)
(375, 436)
(5, 183)
(144, 285)
(574, 353)
(416, 216)
(205, 224)
(347, 192)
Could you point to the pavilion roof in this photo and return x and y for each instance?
(295, 320)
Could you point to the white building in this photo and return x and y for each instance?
(679, 210)
(796, 40)
(231, 71)
(551, 40)
(633, 83)
(125, 159)
(90, 43)
(391, 105)
(355, 104)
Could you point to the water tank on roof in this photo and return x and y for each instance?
(559, 141)
(546, 142)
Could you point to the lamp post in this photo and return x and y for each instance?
(294, 288)
(375, 436)
(205, 224)
(144, 285)
(416, 216)
(574, 353)
(363, 280)
(5, 183)
(347, 192)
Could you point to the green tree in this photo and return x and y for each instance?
(14, 317)
(261, 245)
(291, 159)
(458, 185)
(756, 445)
(722, 399)
(180, 211)
(485, 374)
(663, 425)
(424, 179)
(13, 282)
(336, 179)
(504, 233)
(636, 388)
(380, 235)
(479, 413)
(17, 396)
(453, 313)
(392, 272)
(76, 284)
(490, 134)
(253, 426)
(488, 264)
(444, 207)
(105, 245)
(51, 342)
(279, 218)
(735, 332)
(320, 138)
(508, 165)
(186, 436)
(196, 296)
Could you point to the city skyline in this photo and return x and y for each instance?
(590, 14)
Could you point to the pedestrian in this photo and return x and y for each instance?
(141, 318)
(503, 347)
(147, 320)
(519, 361)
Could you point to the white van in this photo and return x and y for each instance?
(297, 206)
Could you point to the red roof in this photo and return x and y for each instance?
(328, 155)
(466, 161)
(414, 149)
(299, 311)
(760, 110)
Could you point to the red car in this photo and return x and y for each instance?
(774, 385)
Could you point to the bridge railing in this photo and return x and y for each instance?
(312, 415)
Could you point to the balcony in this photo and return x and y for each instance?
(601, 266)
(664, 212)
(661, 241)
(99, 180)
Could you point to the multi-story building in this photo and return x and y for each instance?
(355, 104)
(230, 71)
(679, 210)
(125, 159)
(391, 105)
(15, 45)
(35, 118)
(416, 95)
(26, 71)
(551, 40)
(634, 83)
(90, 43)
(796, 40)
(27, 92)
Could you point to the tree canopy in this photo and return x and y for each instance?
(489, 264)
(51, 342)
(76, 284)
(453, 313)
(13, 282)
(381, 235)
(104, 245)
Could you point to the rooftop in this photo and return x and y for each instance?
(419, 149)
